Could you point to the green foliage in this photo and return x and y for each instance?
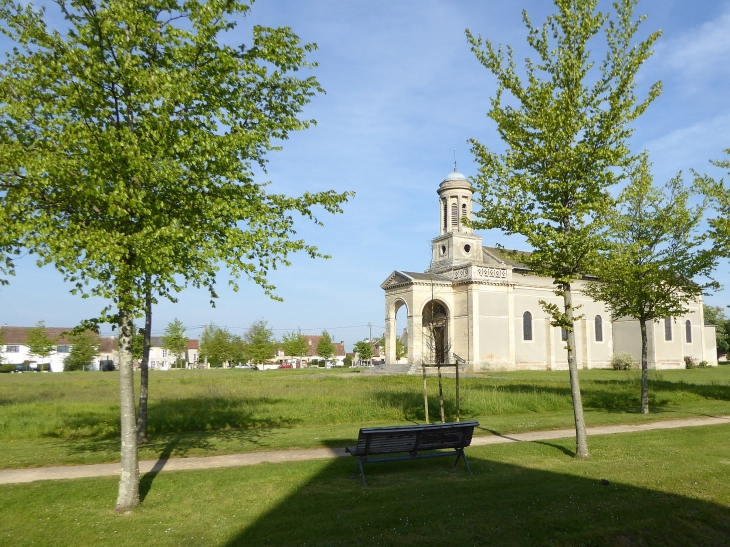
(347, 361)
(85, 347)
(648, 271)
(364, 350)
(623, 361)
(138, 345)
(175, 341)
(325, 348)
(689, 362)
(715, 315)
(294, 344)
(260, 345)
(565, 133)
(7, 368)
(39, 343)
(219, 346)
(138, 106)
(400, 349)
(718, 193)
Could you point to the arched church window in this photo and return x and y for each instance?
(688, 329)
(527, 326)
(599, 328)
(564, 333)
(446, 211)
(668, 328)
(454, 214)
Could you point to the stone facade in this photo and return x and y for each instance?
(475, 304)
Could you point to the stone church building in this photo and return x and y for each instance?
(475, 305)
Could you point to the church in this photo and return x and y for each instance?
(475, 306)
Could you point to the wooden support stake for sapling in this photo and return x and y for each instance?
(441, 397)
(425, 392)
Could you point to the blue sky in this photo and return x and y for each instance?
(403, 91)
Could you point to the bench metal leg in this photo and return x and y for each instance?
(462, 454)
(466, 462)
(362, 472)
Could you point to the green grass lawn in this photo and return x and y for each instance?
(666, 488)
(71, 418)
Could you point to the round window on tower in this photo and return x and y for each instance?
(443, 250)
(467, 249)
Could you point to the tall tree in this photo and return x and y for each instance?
(714, 315)
(565, 135)
(84, 348)
(364, 350)
(219, 346)
(144, 369)
(718, 193)
(128, 140)
(175, 341)
(325, 347)
(294, 344)
(40, 344)
(649, 270)
(260, 342)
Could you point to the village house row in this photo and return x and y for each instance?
(14, 350)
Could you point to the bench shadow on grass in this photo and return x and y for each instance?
(426, 502)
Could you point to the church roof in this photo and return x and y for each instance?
(398, 278)
(416, 276)
(504, 257)
(454, 176)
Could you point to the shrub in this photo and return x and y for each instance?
(7, 368)
(623, 361)
(702, 364)
(348, 361)
(689, 362)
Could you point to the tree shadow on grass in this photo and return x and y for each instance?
(145, 483)
(425, 502)
(178, 426)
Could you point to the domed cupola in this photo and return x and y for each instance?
(455, 193)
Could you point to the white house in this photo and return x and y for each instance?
(298, 361)
(14, 349)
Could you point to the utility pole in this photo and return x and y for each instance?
(370, 340)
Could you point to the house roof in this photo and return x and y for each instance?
(19, 335)
(313, 340)
(193, 344)
(108, 344)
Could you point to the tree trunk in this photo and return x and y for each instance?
(581, 443)
(644, 370)
(128, 497)
(144, 373)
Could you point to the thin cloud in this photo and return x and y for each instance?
(700, 49)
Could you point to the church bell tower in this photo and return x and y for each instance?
(456, 245)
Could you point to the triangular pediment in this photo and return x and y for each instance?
(394, 279)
